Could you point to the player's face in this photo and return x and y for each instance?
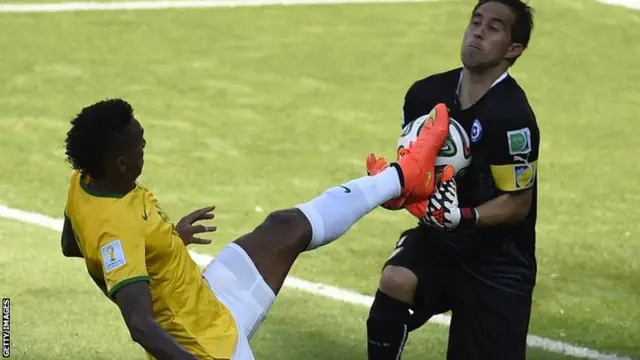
(487, 40)
(132, 161)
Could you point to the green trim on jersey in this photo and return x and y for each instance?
(122, 283)
(98, 193)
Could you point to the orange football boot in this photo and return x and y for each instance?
(417, 164)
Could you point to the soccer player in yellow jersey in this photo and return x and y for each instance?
(139, 259)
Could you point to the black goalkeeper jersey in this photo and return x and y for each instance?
(505, 140)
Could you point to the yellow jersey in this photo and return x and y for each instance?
(129, 238)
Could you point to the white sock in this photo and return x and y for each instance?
(337, 209)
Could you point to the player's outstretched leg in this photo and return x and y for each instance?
(276, 243)
(256, 265)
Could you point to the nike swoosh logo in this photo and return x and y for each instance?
(346, 189)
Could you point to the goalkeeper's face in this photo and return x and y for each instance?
(487, 39)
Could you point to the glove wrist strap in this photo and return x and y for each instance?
(468, 217)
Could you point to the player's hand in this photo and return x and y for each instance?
(186, 227)
(442, 209)
(375, 166)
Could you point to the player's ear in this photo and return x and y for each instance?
(514, 51)
(121, 164)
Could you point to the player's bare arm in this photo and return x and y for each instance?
(507, 208)
(513, 156)
(134, 301)
(68, 240)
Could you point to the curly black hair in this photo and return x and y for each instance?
(94, 133)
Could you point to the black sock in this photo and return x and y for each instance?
(387, 327)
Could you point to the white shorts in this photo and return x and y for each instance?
(236, 282)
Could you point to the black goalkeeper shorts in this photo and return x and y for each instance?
(487, 322)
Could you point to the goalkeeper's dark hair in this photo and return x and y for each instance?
(97, 131)
(522, 25)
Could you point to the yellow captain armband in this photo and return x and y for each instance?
(514, 177)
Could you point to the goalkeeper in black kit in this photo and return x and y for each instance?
(473, 253)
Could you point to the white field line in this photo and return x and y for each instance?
(155, 5)
(329, 291)
(178, 4)
(631, 4)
